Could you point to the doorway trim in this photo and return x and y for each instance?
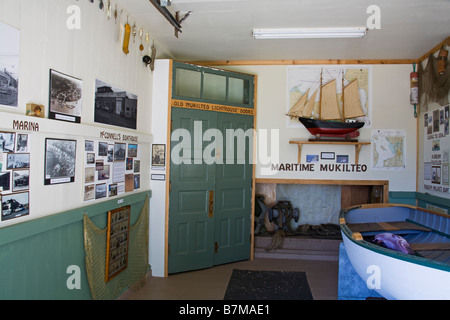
(173, 103)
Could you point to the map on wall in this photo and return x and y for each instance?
(388, 149)
(436, 151)
(308, 79)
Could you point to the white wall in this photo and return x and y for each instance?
(92, 52)
(390, 110)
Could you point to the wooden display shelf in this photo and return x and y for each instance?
(357, 145)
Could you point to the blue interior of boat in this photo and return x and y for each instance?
(428, 234)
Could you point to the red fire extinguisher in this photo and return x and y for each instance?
(414, 89)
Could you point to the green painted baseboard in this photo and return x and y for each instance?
(35, 255)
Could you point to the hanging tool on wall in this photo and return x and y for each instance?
(414, 89)
(126, 38)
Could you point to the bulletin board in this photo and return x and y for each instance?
(436, 152)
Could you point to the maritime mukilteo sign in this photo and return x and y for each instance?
(211, 107)
(327, 167)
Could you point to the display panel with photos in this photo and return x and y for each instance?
(118, 231)
(14, 175)
(110, 169)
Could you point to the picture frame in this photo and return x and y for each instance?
(5, 180)
(118, 231)
(60, 159)
(65, 97)
(119, 151)
(327, 155)
(115, 106)
(22, 142)
(15, 205)
(7, 141)
(342, 158)
(21, 180)
(158, 155)
(17, 161)
(132, 150)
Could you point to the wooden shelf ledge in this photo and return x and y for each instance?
(357, 145)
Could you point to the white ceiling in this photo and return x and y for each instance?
(222, 29)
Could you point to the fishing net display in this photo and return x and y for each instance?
(134, 275)
(433, 86)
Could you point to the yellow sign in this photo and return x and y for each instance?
(211, 107)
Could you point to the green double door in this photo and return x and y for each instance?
(210, 201)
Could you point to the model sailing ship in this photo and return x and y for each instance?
(331, 123)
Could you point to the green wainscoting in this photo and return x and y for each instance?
(35, 255)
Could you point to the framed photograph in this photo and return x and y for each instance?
(103, 149)
(312, 158)
(158, 155)
(15, 205)
(65, 97)
(89, 175)
(132, 150)
(60, 158)
(9, 65)
(18, 160)
(21, 180)
(118, 231)
(89, 145)
(119, 151)
(104, 173)
(112, 190)
(5, 180)
(129, 164)
(7, 141)
(90, 158)
(100, 190)
(115, 106)
(342, 158)
(137, 166)
(327, 155)
(22, 143)
(89, 192)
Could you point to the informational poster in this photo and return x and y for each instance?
(436, 150)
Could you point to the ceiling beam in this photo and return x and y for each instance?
(303, 62)
(166, 13)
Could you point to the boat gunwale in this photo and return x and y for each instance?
(389, 252)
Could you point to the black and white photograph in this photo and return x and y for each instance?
(18, 161)
(21, 180)
(137, 166)
(89, 145)
(90, 158)
(115, 106)
(103, 149)
(119, 151)
(5, 180)
(60, 156)
(15, 205)
(9, 65)
(158, 155)
(104, 173)
(7, 141)
(65, 97)
(100, 190)
(22, 144)
(110, 157)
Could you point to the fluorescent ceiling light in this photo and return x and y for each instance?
(309, 33)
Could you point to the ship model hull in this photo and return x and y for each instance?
(330, 128)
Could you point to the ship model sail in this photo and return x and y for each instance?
(330, 122)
